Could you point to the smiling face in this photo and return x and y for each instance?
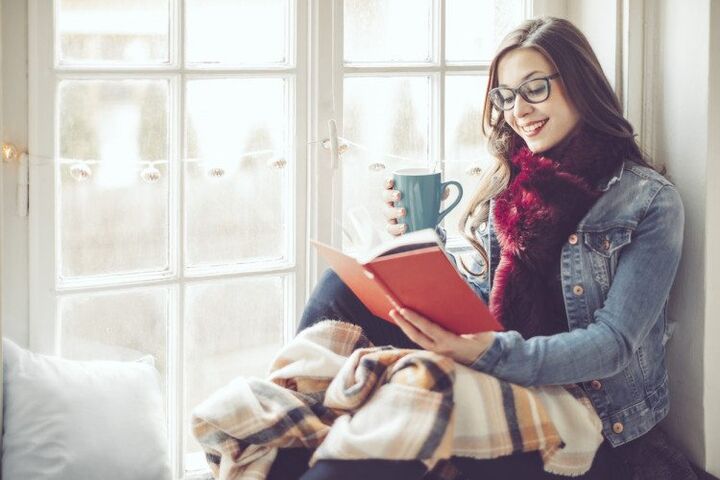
(542, 125)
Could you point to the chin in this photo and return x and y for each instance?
(537, 147)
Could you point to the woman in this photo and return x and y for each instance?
(578, 242)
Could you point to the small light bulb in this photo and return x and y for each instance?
(474, 171)
(215, 172)
(81, 171)
(9, 152)
(277, 163)
(376, 167)
(150, 174)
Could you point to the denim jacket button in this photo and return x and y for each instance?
(573, 239)
(618, 427)
(578, 290)
(595, 385)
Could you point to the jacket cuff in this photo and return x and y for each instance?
(488, 360)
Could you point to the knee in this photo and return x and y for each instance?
(329, 287)
(326, 301)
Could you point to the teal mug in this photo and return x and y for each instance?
(421, 196)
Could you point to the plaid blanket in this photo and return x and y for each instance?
(330, 390)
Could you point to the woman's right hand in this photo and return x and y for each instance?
(392, 213)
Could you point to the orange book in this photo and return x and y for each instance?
(413, 271)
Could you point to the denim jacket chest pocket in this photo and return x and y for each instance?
(604, 248)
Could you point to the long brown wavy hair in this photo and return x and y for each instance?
(567, 49)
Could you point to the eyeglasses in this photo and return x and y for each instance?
(535, 90)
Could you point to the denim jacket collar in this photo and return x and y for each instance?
(605, 184)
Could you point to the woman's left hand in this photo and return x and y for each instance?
(464, 349)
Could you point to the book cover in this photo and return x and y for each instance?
(415, 273)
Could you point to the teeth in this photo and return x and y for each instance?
(533, 126)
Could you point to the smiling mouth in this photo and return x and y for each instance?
(534, 128)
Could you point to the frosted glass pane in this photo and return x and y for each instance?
(131, 32)
(121, 326)
(243, 214)
(237, 32)
(474, 28)
(464, 141)
(113, 221)
(382, 31)
(386, 115)
(232, 328)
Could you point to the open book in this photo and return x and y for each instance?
(412, 271)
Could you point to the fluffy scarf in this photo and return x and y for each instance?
(546, 198)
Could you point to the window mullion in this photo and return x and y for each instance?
(176, 314)
(440, 86)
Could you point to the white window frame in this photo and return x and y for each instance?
(42, 77)
(318, 73)
(327, 72)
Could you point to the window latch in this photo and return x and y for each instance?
(11, 154)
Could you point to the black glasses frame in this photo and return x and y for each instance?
(521, 90)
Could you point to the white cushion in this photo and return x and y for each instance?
(72, 420)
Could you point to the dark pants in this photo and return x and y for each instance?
(332, 299)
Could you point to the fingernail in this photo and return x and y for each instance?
(402, 211)
(396, 196)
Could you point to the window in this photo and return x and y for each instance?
(165, 217)
(177, 169)
(414, 74)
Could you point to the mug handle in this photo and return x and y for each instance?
(457, 200)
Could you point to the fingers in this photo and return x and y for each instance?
(427, 327)
(391, 213)
(390, 196)
(396, 228)
(412, 332)
(446, 193)
(389, 183)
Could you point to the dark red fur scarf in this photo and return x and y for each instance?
(546, 198)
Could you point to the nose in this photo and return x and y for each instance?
(521, 107)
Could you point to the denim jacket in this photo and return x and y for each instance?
(616, 272)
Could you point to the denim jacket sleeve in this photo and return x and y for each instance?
(645, 273)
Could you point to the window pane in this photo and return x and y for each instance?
(387, 115)
(237, 32)
(464, 143)
(237, 202)
(382, 31)
(232, 328)
(131, 32)
(111, 220)
(474, 28)
(123, 326)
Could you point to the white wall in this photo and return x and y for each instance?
(14, 301)
(685, 136)
(598, 21)
(1, 231)
(681, 62)
(712, 253)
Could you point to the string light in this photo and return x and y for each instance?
(150, 174)
(80, 171)
(474, 171)
(214, 171)
(9, 152)
(278, 163)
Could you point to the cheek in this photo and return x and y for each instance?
(509, 119)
